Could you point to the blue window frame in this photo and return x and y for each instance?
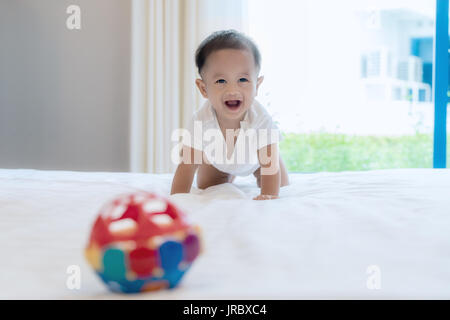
(441, 55)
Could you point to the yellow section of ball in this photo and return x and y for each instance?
(179, 235)
(93, 256)
(155, 285)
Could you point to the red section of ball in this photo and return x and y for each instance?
(132, 212)
(142, 261)
(134, 208)
(100, 233)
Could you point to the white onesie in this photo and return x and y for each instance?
(205, 135)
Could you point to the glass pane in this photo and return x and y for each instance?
(349, 82)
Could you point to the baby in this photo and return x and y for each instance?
(229, 63)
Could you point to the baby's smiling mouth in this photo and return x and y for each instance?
(233, 104)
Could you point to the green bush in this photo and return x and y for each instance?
(339, 152)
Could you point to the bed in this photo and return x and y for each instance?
(328, 236)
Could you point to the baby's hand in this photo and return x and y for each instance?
(265, 197)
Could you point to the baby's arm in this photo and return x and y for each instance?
(270, 172)
(184, 175)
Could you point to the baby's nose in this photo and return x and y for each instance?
(233, 94)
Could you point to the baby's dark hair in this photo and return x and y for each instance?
(225, 39)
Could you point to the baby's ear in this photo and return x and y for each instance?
(202, 87)
(258, 83)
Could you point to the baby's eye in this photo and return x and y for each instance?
(220, 81)
(243, 80)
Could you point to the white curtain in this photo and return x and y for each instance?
(165, 35)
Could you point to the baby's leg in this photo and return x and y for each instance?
(284, 174)
(257, 175)
(208, 176)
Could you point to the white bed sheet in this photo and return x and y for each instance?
(316, 241)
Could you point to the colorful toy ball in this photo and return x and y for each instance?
(142, 242)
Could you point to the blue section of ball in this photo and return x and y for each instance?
(114, 268)
(171, 254)
(132, 286)
(115, 286)
(174, 276)
(124, 285)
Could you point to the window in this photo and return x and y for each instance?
(350, 83)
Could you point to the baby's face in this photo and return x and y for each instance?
(230, 82)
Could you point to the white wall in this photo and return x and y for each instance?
(64, 94)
